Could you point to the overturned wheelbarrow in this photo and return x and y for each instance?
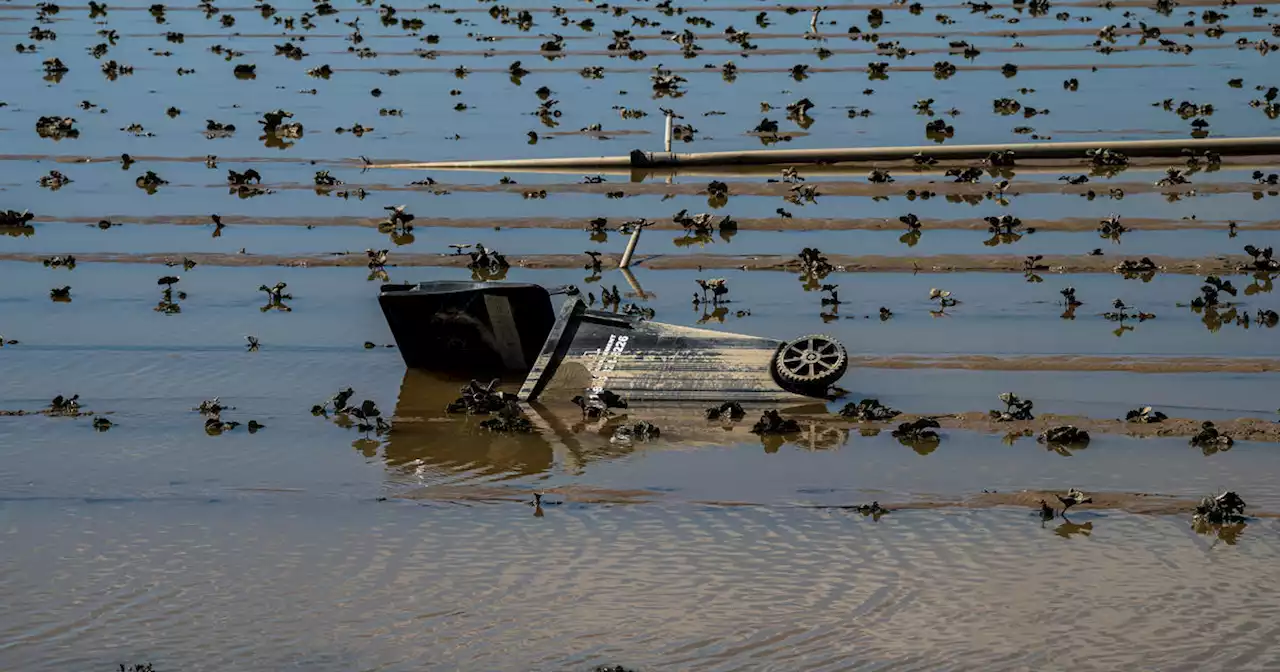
(478, 329)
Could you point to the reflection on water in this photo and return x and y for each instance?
(427, 440)
(1068, 529)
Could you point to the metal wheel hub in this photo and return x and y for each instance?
(811, 360)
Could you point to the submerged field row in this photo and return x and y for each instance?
(942, 263)
(666, 223)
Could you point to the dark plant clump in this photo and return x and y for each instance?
(1015, 409)
(486, 263)
(1210, 439)
(1064, 435)
(729, 409)
(873, 509)
(918, 431)
(1262, 259)
(478, 399)
(869, 410)
(1106, 158)
(1144, 268)
(14, 218)
(1145, 415)
(814, 264)
(336, 404)
(1210, 291)
(599, 404)
(65, 405)
(771, 422)
(1111, 228)
(56, 128)
(1225, 508)
(510, 418)
(641, 431)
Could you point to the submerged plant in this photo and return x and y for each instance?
(718, 288)
(1145, 415)
(336, 404)
(641, 431)
(920, 435)
(729, 409)
(1262, 259)
(943, 297)
(276, 297)
(771, 422)
(1143, 268)
(1111, 228)
(1210, 440)
(1063, 438)
(869, 410)
(1015, 409)
(1221, 509)
(487, 264)
(597, 404)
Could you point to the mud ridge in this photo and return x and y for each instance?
(661, 222)
(942, 263)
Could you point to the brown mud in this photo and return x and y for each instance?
(1070, 224)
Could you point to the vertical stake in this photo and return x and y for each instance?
(631, 246)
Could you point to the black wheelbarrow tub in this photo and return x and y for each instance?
(472, 328)
(483, 328)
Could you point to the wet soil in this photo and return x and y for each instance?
(949, 263)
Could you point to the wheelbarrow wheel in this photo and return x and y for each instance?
(809, 362)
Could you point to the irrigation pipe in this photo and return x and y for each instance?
(1061, 151)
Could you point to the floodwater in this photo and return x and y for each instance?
(308, 544)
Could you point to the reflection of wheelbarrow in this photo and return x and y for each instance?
(429, 442)
(485, 328)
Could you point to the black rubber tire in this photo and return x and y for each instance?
(813, 362)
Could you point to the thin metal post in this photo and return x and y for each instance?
(670, 131)
(631, 246)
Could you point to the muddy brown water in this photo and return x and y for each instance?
(307, 544)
